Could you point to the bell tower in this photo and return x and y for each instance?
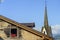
(46, 29)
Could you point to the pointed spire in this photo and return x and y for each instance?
(45, 16)
(46, 29)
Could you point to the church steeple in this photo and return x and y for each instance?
(45, 16)
(46, 29)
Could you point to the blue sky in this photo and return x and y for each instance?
(31, 11)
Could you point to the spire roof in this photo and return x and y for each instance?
(46, 28)
(45, 15)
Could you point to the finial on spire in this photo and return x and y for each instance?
(45, 3)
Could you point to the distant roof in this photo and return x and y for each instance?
(31, 25)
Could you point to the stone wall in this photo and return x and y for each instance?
(29, 36)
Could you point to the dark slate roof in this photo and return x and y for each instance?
(31, 25)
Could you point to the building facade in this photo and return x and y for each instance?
(12, 30)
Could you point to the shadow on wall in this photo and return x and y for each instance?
(1, 38)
